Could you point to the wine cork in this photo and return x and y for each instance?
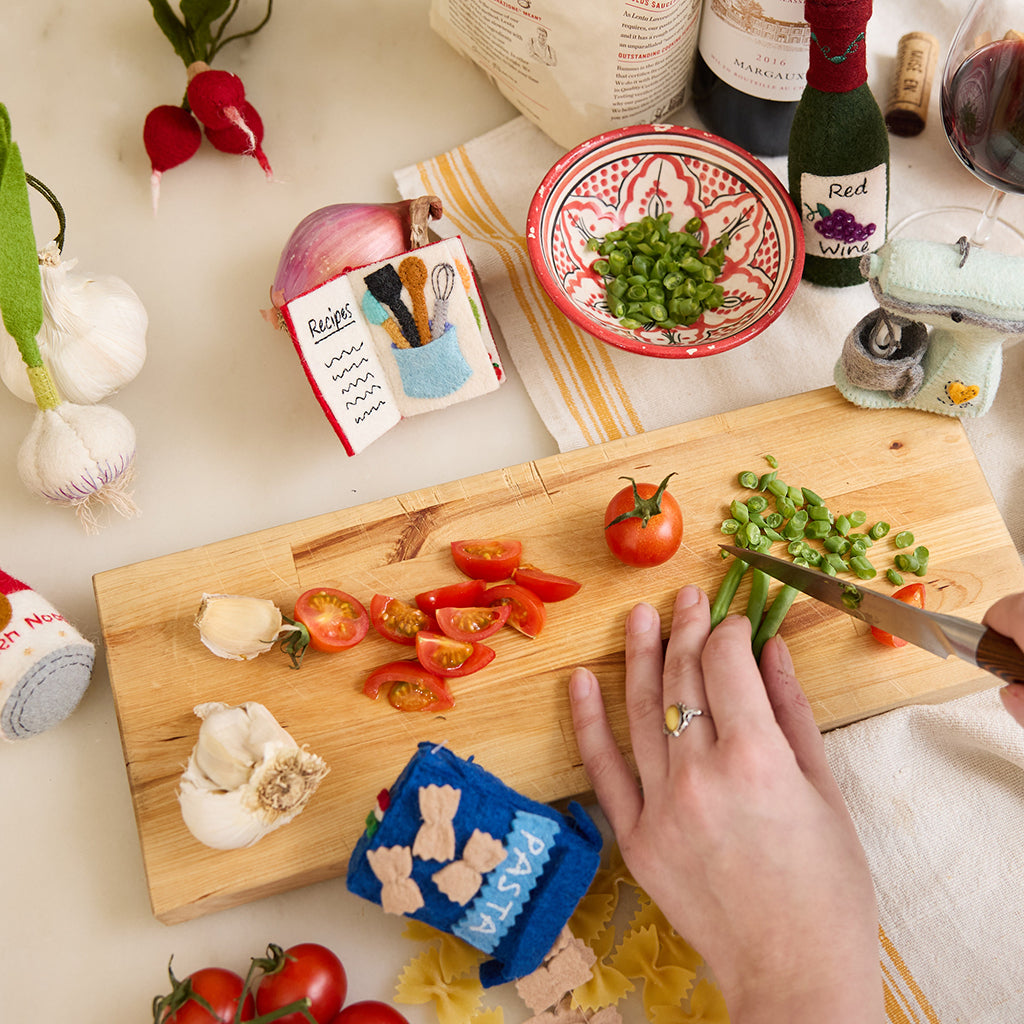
(907, 109)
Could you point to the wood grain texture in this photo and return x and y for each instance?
(914, 469)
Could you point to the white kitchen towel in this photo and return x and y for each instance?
(937, 795)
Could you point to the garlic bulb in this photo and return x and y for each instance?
(238, 628)
(93, 337)
(245, 777)
(82, 456)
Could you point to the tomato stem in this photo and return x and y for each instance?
(643, 509)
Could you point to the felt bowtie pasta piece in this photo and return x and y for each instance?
(509, 884)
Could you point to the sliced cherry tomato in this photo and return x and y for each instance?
(335, 620)
(219, 988)
(643, 524)
(492, 559)
(410, 687)
(912, 593)
(395, 620)
(471, 624)
(369, 1011)
(527, 614)
(447, 657)
(545, 585)
(454, 595)
(306, 971)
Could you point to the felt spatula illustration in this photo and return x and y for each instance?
(386, 286)
(377, 314)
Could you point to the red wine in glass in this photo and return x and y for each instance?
(983, 113)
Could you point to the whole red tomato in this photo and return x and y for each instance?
(218, 988)
(643, 524)
(306, 971)
(369, 1012)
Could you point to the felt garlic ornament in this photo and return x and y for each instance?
(245, 777)
(93, 335)
(76, 455)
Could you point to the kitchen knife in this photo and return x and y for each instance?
(934, 631)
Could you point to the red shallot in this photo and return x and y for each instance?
(336, 239)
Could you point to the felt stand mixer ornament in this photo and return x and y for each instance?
(214, 99)
(45, 663)
(936, 340)
(77, 455)
(453, 846)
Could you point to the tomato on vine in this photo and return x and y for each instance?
(305, 971)
(643, 524)
(207, 996)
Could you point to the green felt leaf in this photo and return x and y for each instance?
(21, 293)
(823, 210)
(176, 32)
(200, 16)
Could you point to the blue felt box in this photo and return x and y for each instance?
(522, 903)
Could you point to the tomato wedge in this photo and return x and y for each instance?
(454, 595)
(912, 593)
(545, 585)
(410, 687)
(469, 624)
(397, 621)
(336, 621)
(491, 560)
(447, 657)
(527, 614)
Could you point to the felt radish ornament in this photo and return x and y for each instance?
(45, 663)
(77, 455)
(214, 99)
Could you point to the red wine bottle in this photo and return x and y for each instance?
(983, 113)
(839, 148)
(749, 71)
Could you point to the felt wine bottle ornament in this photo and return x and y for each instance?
(839, 147)
(45, 663)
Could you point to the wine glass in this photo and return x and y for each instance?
(982, 100)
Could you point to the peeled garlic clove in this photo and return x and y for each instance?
(82, 456)
(269, 782)
(236, 627)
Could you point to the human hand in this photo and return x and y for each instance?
(737, 829)
(1006, 616)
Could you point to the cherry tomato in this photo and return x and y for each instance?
(471, 624)
(335, 620)
(369, 1012)
(220, 988)
(545, 585)
(491, 560)
(643, 524)
(410, 687)
(309, 971)
(912, 593)
(527, 612)
(447, 657)
(454, 595)
(395, 620)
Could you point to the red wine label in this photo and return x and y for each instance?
(760, 49)
(844, 214)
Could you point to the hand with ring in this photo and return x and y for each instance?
(737, 829)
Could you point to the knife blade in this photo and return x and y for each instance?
(937, 632)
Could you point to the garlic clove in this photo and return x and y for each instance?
(245, 777)
(236, 627)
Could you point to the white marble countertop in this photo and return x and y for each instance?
(230, 437)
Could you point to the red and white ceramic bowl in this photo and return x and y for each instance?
(618, 177)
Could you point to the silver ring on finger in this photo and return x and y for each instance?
(678, 717)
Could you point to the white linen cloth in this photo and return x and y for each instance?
(936, 792)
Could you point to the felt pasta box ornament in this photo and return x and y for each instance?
(454, 847)
(45, 663)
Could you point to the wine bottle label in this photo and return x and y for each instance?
(844, 214)
(760, 49)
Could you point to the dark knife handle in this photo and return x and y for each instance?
(999, 655)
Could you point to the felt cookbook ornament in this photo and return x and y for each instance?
(451, 845)
(45, 663)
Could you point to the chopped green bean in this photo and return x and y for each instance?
(772, 461)
(740, 512)
(863, 568)
(766, 479)
(810, 497)
(730, 526)
(903, 539)
(879, 530)
(748, 480)
(894, 577)
(757, 503)
(858, 517)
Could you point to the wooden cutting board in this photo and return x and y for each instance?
(913, 469)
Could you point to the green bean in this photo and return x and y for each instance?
(843, 525)
(894, 577)
(879, 530)
(858, 517)
(903, 539)
(730, 526)
(758, 598)
(820, 513)
(863, 568)
(739, 511)
(778, 488)
(773, 618)
(757, 503)
(748, 480)
(810, 497)
(727, 590)
(766, 479)
(772, 461)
